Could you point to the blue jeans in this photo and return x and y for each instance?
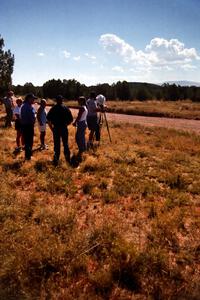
(58, 134)
(80, 135)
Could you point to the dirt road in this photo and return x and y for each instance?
(179, 124)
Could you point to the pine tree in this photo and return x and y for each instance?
(6, 67)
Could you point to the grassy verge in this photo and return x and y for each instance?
(124, 225)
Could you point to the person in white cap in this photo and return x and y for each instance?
(42, 121)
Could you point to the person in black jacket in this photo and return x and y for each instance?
(59, 117)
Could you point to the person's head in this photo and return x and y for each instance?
(101, 99)
(92, 95)
(43, 102)
(30, 98)
(19, 102)
(81, 100)
(10, 93)
(59, 99)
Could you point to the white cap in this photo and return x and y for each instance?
(101, 99)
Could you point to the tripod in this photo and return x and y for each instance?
(103, 118)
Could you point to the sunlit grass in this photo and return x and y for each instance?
(123, 225)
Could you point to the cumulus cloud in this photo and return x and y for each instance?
(66, 53)
(90, 56)
(76, 58)
(187, 67)
(159, 52)
(114, 44)
(40, 54)
(171, 51)
(118, 69)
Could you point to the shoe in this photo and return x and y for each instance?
(17, 149)
(44, 147)
(89, 145)
(68, 160)
(55, 162)
(28, 158)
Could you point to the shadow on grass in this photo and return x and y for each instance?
(15, 166)
(37, 149)
(75, 160)
(42, 165)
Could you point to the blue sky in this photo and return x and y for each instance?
(102, 41)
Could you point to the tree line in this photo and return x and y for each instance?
(122, 90)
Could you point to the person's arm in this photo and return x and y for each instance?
(49, 119)
(33, 114)
(96, 107)
(69, 117)
(50, 125)
(39, 112)
(80, 112)
(15, 114)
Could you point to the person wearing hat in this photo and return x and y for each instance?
(59, 117)
(9, 106)
(42, 120)
(27, 116)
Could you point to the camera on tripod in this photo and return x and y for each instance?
(101, 100)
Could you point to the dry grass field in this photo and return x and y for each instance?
(170, 109)
(124, 225)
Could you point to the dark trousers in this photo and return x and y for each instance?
(94, 126)
(28, 134)
(9, 116)
(58, 134)
(98, 133)
(80, 136)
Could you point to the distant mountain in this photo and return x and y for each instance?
(183, 83)
(140, 84)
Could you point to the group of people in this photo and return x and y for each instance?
(58, 118)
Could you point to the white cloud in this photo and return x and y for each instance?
(118, 69)
(90, 56)
(187, 67)
(76, 58)
(171, 51)
(66, 53)
(41, 54)
(113, 44)
(158, 53)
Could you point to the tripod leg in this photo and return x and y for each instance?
(98, 128)
(107, 126)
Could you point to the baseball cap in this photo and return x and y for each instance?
(30, 96)
(10, 93)
(59, 97)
